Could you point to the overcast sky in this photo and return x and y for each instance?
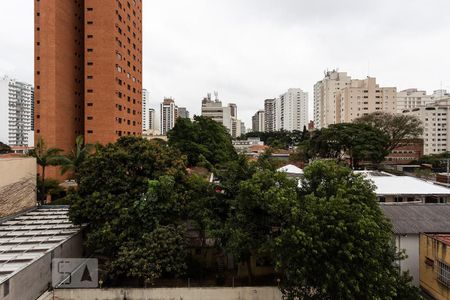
(250, 50)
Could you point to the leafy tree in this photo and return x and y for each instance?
(257, 212)
(131, 193)
(202, 140)
(336, 243)
(4, 148)
(397, 126)
(358, 141)
(45, 157)
(280, 139)
(72, 161)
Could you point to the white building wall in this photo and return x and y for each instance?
(292, 110)
(15, 111)
(145, 110)
(409, 243)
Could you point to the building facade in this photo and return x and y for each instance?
(434, 265)
(258, 121)
(340, 99)
(182, 112)
(16, 118)
(362, 97)
(168, 115)
(269, 115)
(436, 125)
(145, 110)
(213, 109)
(326, 93)
(412, 98)
(88, 70)
(291, 110)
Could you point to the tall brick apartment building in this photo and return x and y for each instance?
(88, 70)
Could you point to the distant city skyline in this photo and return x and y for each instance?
(253, 50)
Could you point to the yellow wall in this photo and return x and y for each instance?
(431, 251)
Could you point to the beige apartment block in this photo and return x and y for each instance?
(326, 92)
(362, 97)
(434, 118)
(338, 98)
(412, 98)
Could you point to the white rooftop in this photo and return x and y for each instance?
(27, 237)
(387, 184)
(291, 169)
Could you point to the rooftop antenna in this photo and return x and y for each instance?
(216, 95)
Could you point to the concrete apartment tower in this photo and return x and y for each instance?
(269, 115)
(291, 110)
(258, 121)
(88, 70)
(16, 118)
(168, 115)
(362, 97)
(325, 97)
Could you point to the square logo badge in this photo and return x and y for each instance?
(75, 273)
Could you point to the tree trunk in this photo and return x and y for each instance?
(249, 270)
(43, 185)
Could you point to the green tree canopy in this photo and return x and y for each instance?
(202, 141)
(129, 195)
(4, 148)
(397, 126)
(72, 162)
(336, 243)
(360, 142)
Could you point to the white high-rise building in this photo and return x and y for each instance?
(145, 110)
(411, 98)
(436, 124)
(168, 115)
(291, 110)
(16, 117)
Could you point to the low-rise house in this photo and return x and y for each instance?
(291, 171)
(243, 146)
(391, 188)
(409, 220)
(435, 265)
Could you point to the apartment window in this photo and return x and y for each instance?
(90, 104)
(90, 22)
(90, 36)
(90, 50)
(38, 14)
(90, 91)
(90, 63)
(443, 272)
(90, 131)
(90, 118)
(38, 58)
(38, 29)
(90, 77)
(90, 9)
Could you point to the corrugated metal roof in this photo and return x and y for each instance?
(418, 217)
(27, 237)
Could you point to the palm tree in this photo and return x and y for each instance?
(73, 161)
(45, 157)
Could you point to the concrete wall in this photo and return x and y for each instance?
(409, 243)
(32, 281)
(17, 184)
(242, 293)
